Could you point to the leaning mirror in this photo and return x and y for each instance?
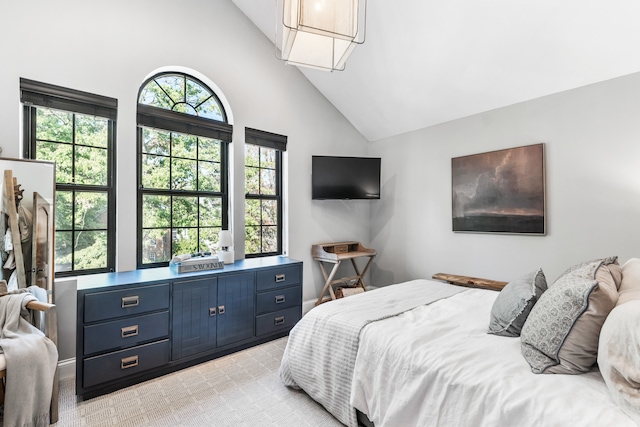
(26, 223)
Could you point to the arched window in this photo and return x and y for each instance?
(182, 93)
(182, 168)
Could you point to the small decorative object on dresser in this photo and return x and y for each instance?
(225, 242)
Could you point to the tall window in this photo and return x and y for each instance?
(182, 168)
(76, 130)
(263, 192)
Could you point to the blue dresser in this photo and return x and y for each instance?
(137, 325)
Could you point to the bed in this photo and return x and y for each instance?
(418, 353)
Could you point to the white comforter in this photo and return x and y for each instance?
(321, 350)
(436, 366)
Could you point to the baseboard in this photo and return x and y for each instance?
(309, 304)
(67, 368)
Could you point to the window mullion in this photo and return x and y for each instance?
(197, 179)
(261, 228)
(73, 197)
(171, 228)
(262, 196)
(73, 229)
(73, 148)
(184, 87)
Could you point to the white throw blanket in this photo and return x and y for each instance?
(31, 363)
(322, 348)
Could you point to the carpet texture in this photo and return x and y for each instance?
(241, 389)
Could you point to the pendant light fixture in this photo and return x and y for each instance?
(319, 33)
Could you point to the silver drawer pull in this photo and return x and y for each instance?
(280, 299)
(278, 320)
(129, 362)
(212, 311)
(129, 331)
(221, 309)
(130, 301)
(280, 278)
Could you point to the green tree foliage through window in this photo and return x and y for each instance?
(181, 202)
(79, 145)
(262, 200)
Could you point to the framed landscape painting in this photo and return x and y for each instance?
(500, 191)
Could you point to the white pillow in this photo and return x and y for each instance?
(619, 356)
(630, 286)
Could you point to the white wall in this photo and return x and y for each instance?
(109, 49)
(592, 144)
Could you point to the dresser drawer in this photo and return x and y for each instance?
(278, 321)
(124, 363)
(125, 332)
(278, 299)
(278, 277)
(125, 302)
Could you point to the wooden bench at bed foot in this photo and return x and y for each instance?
(473, 282)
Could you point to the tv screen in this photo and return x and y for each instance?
(345, 178)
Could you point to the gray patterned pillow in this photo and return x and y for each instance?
(560, 336)
(513, 304)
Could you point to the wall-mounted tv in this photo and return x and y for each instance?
(345, 178)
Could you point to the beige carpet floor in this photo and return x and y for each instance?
(242, 389)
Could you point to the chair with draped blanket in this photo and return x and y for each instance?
(28, 359)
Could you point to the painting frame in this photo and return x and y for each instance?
(501, 191)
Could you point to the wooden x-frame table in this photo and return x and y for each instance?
(335, 253)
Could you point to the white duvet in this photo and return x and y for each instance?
(436, 366)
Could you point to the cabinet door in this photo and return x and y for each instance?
(194, 317)
(236, 308)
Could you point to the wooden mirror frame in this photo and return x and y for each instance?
(37, 184)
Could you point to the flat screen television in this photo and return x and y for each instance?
(345, 178)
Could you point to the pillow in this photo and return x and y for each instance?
(560, 336)
(630, 286)
(619, 356)
(616, 273)
(513, 304)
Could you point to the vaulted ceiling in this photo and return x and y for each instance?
(426, 62)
